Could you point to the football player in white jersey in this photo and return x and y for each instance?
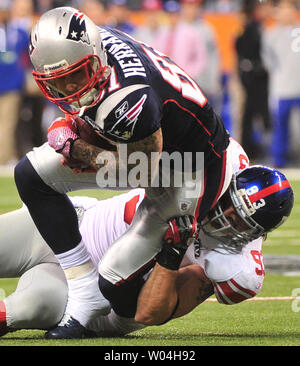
(225, 261)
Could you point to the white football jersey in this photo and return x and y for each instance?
(105, 221)
(236, 276)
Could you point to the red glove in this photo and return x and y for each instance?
(62, 134)
(181, 233)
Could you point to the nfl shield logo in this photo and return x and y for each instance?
(185, 205)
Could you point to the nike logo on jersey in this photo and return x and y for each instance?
(124, 126)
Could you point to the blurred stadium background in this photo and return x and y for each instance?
(254, 89)
(246, 63)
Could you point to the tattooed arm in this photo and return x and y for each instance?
(171, 294)
(123, 158)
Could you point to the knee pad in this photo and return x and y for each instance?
(123, 296)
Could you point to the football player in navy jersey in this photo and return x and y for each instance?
(146, 109)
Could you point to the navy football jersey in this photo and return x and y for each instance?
(146, 92)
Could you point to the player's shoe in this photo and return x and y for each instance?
(69, 328)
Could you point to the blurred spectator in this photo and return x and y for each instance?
(13, 48)
(41, 6)
(223, 6)
(181, 41)
(253, 76)
(282, 57)
(74, 3)
(150, 29)
(22, 14)
(209, 79)
(118, 16)
(29, 131)
(95, 10)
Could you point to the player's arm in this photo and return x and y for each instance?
(171, 294)
(137, 131)
(236, 277)
(120, 159)
(171, 291)
(64, 138)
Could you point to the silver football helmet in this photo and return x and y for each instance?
(64, 43)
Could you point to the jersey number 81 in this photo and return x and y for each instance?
(176, 77)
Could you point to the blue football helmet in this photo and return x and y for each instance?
(258, 200)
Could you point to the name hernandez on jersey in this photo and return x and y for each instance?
(129, 61)
(148, 91)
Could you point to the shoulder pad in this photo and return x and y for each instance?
(112, 101)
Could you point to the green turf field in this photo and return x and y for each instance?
(260, 323)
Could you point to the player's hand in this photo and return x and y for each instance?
(181, 233)
(62, 134)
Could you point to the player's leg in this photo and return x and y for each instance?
(40, 298)
(135, 251)
(21, 246)
(42, 182)
(41, 294)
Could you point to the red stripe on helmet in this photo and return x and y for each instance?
(269, 190)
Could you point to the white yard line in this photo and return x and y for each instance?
(280, 298)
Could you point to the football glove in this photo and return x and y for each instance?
(181, 233)
(62, 134)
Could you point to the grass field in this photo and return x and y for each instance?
(252, 323)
